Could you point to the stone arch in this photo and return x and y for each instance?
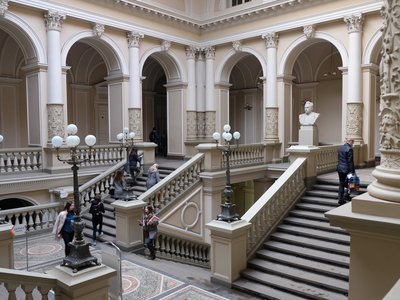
(173, 68)
(373, 48)
(26, 38)
(226, 65)
(285, 66)
(107, 48)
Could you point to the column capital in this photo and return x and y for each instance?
(191, 52)
(210, 52)
(354, 23)
(3, 7)
(98, 30)
(271, 39)
(134, 38)
(53, 20)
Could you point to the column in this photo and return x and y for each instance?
(354, 98)
(135, 86)
(200, 93)
(372, 218)
(55, 103)
(191, 121)
(270, 89)
(210, 117)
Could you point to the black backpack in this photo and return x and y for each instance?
(96, 210)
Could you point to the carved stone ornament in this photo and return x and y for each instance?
(134, 38)
(55, 119)
(209, 123)
(191, 125)
(271, 124)
(53, 20)
(354, 22)
(165, 45)
(98, 30)
(309, 31)
(271, 39)
(237, 45)
(354, 120)
(135, 122)
(201, 123)
(3, 7)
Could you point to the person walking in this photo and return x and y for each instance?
(345, 166)
(63, 226)
(153, 176)
(149, 223)
(134, 161)
(97, 210)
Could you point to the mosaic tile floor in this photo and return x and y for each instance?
(138, 282)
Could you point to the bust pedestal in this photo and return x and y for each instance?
(308, 135)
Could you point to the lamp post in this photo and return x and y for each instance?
(228, 208)
(2, 220)
(79, 255)
(126, 139)
(1, 138)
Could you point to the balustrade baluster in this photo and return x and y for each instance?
(9, 164)
(28, 289)
(162, 244)
(168, 241)
(11, 289)
(2, 164)
(173, 248)
(30, 222)
(44, 291)
(15, 163)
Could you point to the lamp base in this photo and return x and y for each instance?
(228, 213)
(79, 257)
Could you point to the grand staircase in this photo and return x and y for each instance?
(305, 258)
(109, 218)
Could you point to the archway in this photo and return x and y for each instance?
(91, 61)
(19, 47)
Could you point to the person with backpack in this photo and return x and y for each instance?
(97, 210)
(149, 223)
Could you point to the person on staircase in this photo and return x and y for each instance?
(345, 166)
(97, 210)
(153, 176)
(121, 188)
(63, 226)
(149, 223)
(134, 163)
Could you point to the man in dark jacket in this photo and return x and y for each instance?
(345, 166)
(97, 210)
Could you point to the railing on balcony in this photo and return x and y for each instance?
(35, 218)
(245, 155)
(327, 158)
(20, 160)
(28, 285)
(268, 211)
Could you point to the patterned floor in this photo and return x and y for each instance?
(138, 282)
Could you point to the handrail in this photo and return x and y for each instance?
(272, 206)
(245, 155)
(161, 194)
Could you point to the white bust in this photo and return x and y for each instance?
(309, 117)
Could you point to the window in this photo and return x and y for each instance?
(238, 2)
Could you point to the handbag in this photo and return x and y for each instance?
(353, 183)
(111, 191)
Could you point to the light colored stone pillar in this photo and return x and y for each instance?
(89, 284)
(135, 86)
(191, 117)
(55, 103)
(6, 246)
(200, 93)
(372, 219)
(210, 117)
(129, 233)
(228, 250)
(354, 114)
(270, 89)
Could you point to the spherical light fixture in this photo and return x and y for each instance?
(72, 129)
(57, 141)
